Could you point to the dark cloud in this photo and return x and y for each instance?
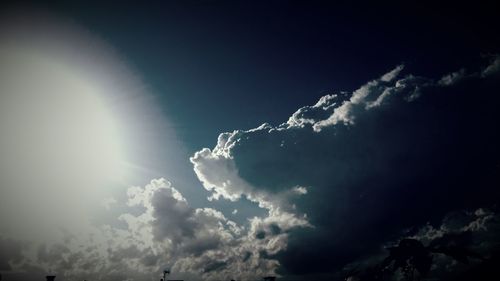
(394, 154)
(463, 246)
(10, 252)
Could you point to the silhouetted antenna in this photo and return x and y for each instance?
(165, 273)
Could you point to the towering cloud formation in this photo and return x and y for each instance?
(356, 170)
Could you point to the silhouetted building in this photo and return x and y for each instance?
(269, 278)
(50, 277)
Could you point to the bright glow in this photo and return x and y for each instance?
(59, 146)
(57, 122)
(77, 126)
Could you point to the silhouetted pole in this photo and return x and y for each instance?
(165, 273)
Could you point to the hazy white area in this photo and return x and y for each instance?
(59, 145)
(68, 109)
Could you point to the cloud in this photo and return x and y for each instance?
(463, 243)
(101, 253)
(370, 95)
(339, 179)
(160, 231)
(357, 168)
(493, 68)
(10, 252)
(452, 78)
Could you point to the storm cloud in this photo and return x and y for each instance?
(400, 151)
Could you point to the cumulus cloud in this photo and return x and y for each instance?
(161, 231)
(356, 168)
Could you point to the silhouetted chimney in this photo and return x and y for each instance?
(50, 277)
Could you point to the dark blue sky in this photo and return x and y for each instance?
(221, 65)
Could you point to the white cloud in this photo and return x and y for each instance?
(217, 172)
(370, 95)
(393, 74)
(166, 233)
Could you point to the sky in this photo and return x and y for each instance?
(219, 140)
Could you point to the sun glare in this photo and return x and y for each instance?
(59, 137)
